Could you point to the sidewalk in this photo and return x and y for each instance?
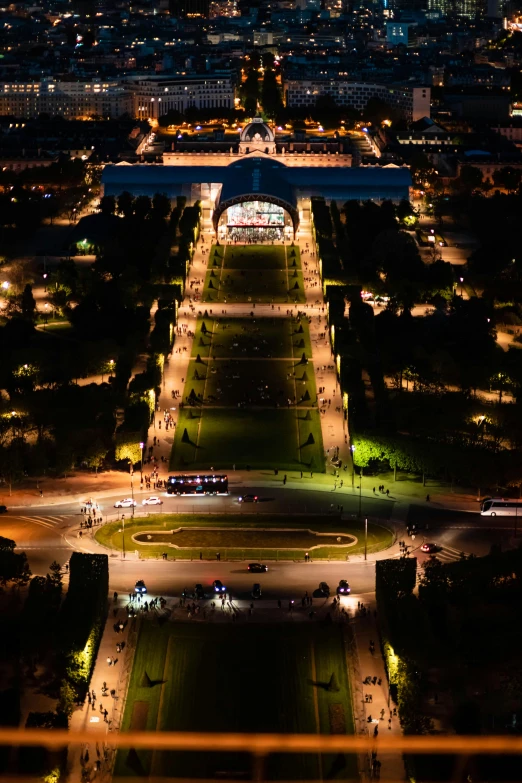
(89, 718)
(377, 713)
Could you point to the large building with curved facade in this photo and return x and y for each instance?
(255, 187)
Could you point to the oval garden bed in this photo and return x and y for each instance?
(244, 538)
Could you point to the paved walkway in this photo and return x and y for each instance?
(376, 714)
(90, 718)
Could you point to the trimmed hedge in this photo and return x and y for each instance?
(83, 616)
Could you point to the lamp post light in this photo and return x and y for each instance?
(45, 281)
(352, 449)
(46, 313)
(123, 535)
(141, 463)
(5, 285)
(461, 286)
(111, 364)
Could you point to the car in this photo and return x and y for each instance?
(140, 586)
(429, 547)
(324, 588)
(256, 590)
(247, 499)
(125, 503)
(154, 500)
(218, 586)
(257, 568)
(3, 509)
(343, 588)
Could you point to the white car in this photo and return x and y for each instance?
(154, 500)
(125, 503)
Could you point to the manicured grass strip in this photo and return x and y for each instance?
(270, 383)
(148, 668)
(219, 438)
(273, 338)
(254, 257)
(233, 677)
(272, 286)
(109, 535)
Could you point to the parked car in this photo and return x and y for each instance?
(140, 586)
(256, 590)
(343, 588)
(247, 499)
(324, 589)
(125, 503)
(154, 500)
(257, 568)
(218, 586)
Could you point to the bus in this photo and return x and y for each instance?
(493, 507)
(198, 485)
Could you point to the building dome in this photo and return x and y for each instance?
(257, 131)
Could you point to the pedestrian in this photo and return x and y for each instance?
(389, 723)
(109, 660)
(375, 731)
(427, 498)
(382, 713)
(284, 479)
(201, 555)
(89, 698)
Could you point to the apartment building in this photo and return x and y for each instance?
(412, 102)
(71, 99)
(157, 95)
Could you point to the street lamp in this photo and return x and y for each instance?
(461, 286)
(352, 449)
(46, 312)
(111, 363)
(45, 281)
(123, 535)
(5, 285)
(141, 463)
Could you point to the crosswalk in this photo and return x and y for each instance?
(47, 521)
(449, 555)
(446, 554)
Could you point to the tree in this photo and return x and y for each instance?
(470, 178)
(160, 206)
(142, 207)
(28, 304)
(126, 204)
(172, 117)
(107, 205)
(271, 94)
(54, 576)
(249, 91)
(508, 178)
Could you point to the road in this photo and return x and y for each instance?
(50, 532)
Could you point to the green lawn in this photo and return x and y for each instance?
(236, 677)
(110, 535)
(280, 286)
(220, 438)
(253, 337)
(254, 273)
(254, 257)
(252, 382)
